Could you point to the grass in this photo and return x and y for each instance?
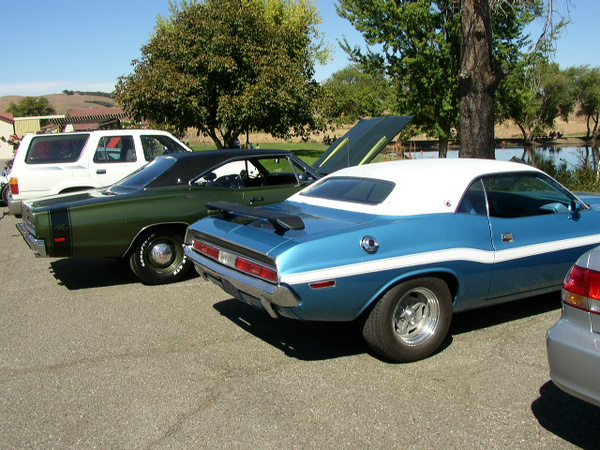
(308, 152)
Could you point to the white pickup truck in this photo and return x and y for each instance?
(49, 164)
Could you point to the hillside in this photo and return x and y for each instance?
(63, 102)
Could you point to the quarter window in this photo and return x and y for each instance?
(157, 145)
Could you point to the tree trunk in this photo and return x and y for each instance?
(478, 82)
(443, 147)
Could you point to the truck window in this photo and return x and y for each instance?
(113, 149)
(46, 149)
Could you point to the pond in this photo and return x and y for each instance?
(554, 155)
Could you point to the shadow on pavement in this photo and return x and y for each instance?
(326, 340)
(309, 341)
(478, 319)
(84, 273)
(567, 417)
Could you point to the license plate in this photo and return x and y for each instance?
(230, 289)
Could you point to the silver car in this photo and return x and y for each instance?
(574, 341)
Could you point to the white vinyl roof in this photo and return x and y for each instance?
(422, 186)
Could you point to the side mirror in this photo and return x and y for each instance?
(575, 207)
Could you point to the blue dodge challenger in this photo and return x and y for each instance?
(399, 246)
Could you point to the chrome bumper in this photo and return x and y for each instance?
(244, 287)
(37, 245)
(14, 206)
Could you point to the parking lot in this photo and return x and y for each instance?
(92, 358)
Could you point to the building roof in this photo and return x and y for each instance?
(7, 117)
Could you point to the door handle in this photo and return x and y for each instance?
(507, 238)
(101, 171)
(254, 200)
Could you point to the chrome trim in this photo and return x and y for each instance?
(14, 206)
(37, 245)
(274, 294)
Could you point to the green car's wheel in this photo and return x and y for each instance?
(158, 257)
(410, 321)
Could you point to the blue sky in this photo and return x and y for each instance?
(85, 45)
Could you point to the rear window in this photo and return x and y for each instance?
(353, 190)
(45, 149)
(145, 175)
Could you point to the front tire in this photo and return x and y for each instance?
(158, 257)
(410, 321)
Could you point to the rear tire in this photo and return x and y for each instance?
(158, 257)
(410, 321)
(5, 194)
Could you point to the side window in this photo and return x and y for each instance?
(47, 149)
(525, 195)
(229, 175)
(112, 149)
(157, 145)
(473, 202)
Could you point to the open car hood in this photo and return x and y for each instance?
(361, 144)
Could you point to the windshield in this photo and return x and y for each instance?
(353, 190)
(144, 175)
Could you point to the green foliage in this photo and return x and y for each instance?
(533, 95)
(420, 49)
(229, 66)
(587, 94)
(31, 106)
(94, 93)
(353, 93)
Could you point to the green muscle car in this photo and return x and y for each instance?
(143, 218)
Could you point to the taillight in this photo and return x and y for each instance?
(581, 289)
(14, 186)
(234, 261)
(206, 249)
(258, 270)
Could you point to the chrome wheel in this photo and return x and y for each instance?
(416, 316)
(161, 254)
(410, 321)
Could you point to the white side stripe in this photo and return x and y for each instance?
(439, 256)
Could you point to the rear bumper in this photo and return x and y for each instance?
(574, 360)
(37, 245)
(14, 206)
(244, 287)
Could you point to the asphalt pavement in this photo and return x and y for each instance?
(91, 358)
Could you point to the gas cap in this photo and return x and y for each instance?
(369, 244)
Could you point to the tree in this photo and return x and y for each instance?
(31, 106)
(229, 66)
(587, 93)
(445, 57)
(419, 42)
(534, 95)
(353, 93)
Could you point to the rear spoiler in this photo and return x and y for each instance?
(282, 222)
